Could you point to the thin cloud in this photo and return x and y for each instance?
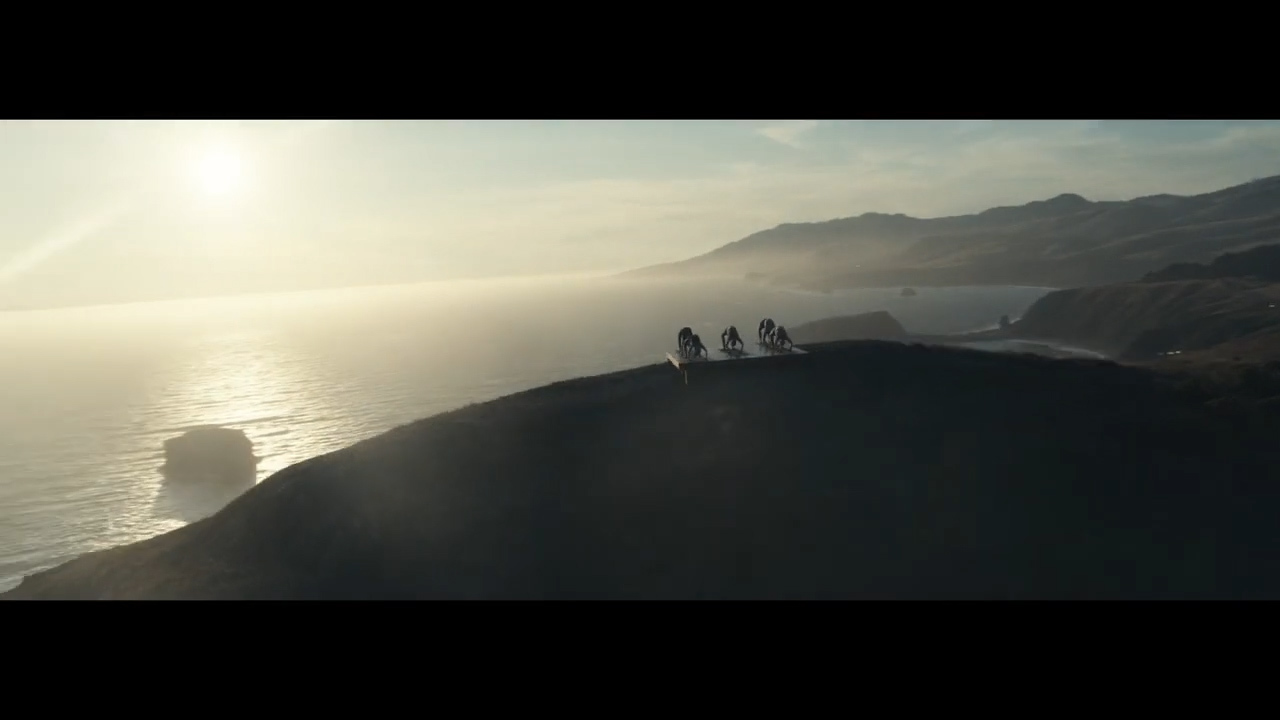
(57, 242)
(641, 221)
(961, 128)
(788, 133)
(1261, 137)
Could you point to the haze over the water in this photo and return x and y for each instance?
(100, 212)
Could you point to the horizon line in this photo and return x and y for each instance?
(594, 274)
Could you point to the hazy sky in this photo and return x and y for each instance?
(106, 211)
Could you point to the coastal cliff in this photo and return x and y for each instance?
(878, 325)
(1228, 309)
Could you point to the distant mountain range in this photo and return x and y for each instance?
(1065, 241)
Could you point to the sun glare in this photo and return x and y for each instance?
(219, 171)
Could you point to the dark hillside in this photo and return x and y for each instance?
(863, 470)
(1260, 263)
(1139, 320)
(1226, 309)
(878, 325)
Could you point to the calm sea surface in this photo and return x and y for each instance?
(88, 395)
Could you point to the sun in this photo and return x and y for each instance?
(219, 171)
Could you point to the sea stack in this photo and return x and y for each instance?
(210, 453)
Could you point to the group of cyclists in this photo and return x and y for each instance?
(770, 335)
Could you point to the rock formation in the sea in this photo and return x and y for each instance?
(210, 453)
(1004, 322)
(878, 325)
(908, 292)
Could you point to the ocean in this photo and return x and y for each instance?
(89, 395)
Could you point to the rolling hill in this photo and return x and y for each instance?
(1065, 241)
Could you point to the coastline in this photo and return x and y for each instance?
(295, 408)
(581, 489)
